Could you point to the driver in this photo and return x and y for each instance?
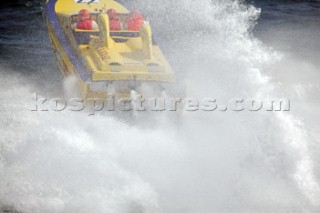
(85, 22)
(114, 21)
(135, 21)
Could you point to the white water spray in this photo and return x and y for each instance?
(209, 162)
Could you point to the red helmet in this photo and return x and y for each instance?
(84, 14)
(137, 15)
(112, 13)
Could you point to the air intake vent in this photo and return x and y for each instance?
(120, 40)
(115, 64)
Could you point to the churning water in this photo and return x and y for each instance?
(205, 162)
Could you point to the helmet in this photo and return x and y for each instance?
(137, 15)
(112, 13)
(84, 14)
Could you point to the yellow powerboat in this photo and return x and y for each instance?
(105, 62)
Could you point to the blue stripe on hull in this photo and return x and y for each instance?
(64, 41)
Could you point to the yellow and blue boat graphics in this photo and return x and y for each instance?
(100, 58)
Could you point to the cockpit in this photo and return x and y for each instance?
(120, 30)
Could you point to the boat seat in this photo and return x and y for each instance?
(84, 36)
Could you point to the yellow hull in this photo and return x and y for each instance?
(102, 58)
